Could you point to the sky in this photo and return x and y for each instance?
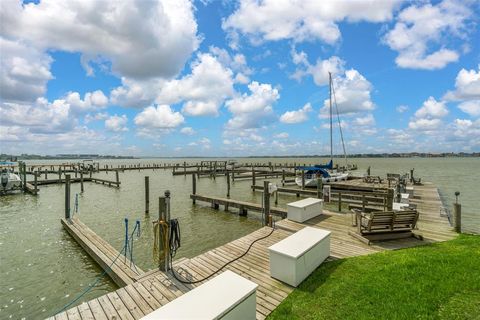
(238, 78)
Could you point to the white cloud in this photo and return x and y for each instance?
(187, 131)
(297, 116)
(91, 101)
(272, 20)
(352, 93)
(159, 117)
(420, 31)
(281, 135)
(116, 123)
(471, 107)
(262, 96)
(402, 108)
(425, 124)
(96, 117)
(136, 93)
(39, 117)
(319, 71)
(432, 108)
(203, 91)
(467, 85)
(368, 120)
(24, 71)
(138, 37)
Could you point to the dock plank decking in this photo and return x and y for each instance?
(155, 288)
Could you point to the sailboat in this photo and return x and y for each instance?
(313, 173)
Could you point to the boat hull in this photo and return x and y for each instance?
(312, 182)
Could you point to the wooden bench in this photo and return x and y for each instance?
(385, 225)
(298, 255)
(227, 296)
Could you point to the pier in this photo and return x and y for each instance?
(156, 288)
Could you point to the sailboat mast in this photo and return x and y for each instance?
(331, 122)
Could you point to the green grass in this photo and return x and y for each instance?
(437, 281)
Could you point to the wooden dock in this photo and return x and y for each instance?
(243, 206)
(156, 288)
(121, 271)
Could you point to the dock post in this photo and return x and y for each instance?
(228, 185)
(390, 200)
(266, 203)
(253, 177)
(162, 216)
(303, 179)
(46, 174)
(194, 186)
(319, 186)
(81, 181)
(59, 174)
(457, 213)
(167, 213)
(117, 179)
(147, 195)
(184, 168)
(276, 200)
(283, 178)
(340, 202)
(368, 171)
(35, 177)
(67, 196)
(411, 175)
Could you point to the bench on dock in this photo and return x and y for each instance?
(227, 296)
(385, 225)
(297, 256)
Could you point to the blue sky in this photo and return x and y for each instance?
(238, 78)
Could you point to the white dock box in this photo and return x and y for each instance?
(404, 197)
(295, 257)
(227, 296)
(304, 210)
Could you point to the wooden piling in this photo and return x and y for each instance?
(67, 196)
(81, 181)
(253, 176)
(457, 213)
(194, 186)
(147, 194)
(319, 186)
(266, 203)
(35, 177)
(228, 185)
(46, 171)
(339, 202)
(283, 177)
(117, 179)
(303, 179)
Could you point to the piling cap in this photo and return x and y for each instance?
(167, 193)
(457, 193)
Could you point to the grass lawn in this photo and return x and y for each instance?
(437, 281)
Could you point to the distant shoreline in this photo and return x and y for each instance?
(112, 157)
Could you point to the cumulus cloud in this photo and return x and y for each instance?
(187, 131)
(281, 135)
(272, 20)
(425, 124)
(24, 70)
(352, 94)
(471, 107)
(420, 31)
(319, 71)
(401, 108)
(116, 123)
(159, 117)
(137, 37)
(203, 91)
(467, 90)
(91, 101)
(297, 116)
(432, 108)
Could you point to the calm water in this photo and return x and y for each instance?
(42, 268)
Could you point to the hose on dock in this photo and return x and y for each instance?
(173, 252)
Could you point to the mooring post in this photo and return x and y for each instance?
(319, 186)
(35, 177)
(457, 213)
(368, 171)
(67, 196)
(266, 203)
(147, 195)
(167, 211)
(162, 216)
(303, 179)
(46, 174)
(184, 168)
(117, 179)
(81, 181)
(253, 177)
(340, 202)
(228, 185)
(59, 174)
(389, 199)
(194, 186)
(91, 169)
(411, 175)
(283, 177)
(276, 198)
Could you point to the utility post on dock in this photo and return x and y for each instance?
(228, 184)
(147, 195)
(194, 186)
(457, 213)
(67, 196)
(266, 203)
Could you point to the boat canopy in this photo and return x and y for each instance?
(314, 170)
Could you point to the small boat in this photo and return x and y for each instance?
(9, 181)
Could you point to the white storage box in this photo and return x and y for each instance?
(295, 257)
(305, 209)
(399, 206)
(227, 296)
(404, 197)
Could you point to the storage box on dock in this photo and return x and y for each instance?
(305, 209)
(297, 256)
(227, 296)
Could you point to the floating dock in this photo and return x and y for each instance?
(156, 288)
(117, 266)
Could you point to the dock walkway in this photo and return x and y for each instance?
(156, 288)
(121, 271)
